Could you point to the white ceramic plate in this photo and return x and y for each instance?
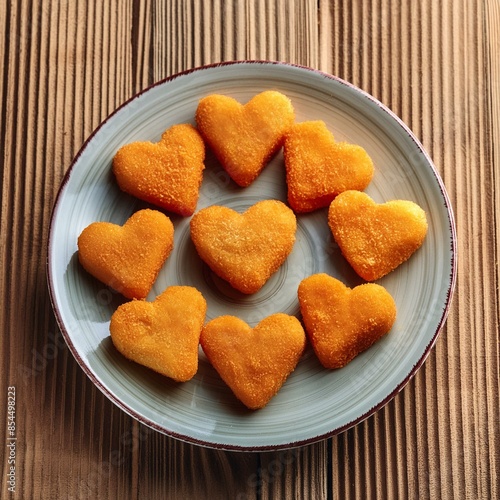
(314, 403)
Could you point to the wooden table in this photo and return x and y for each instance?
(67, 64)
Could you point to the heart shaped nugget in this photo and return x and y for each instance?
(127, 258)
(341, 322)
(376, 238)
(245, 249)
(164, 334)
(254, 363)
(244, 137)
(318, 168)
(168, 173)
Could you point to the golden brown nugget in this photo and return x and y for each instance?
(254, 363)
(376, 238)
(168, 173)
(244, 137)
(318, 168)
(341, 322)
(245, 249)
(164, 334)
(127, 258)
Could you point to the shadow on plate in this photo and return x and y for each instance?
(153, 390)
(140, 378)
(89, 298)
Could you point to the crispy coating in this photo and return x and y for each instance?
(342, 322)
(168, 173)
(376, 238)
(245, 137)
(245, 249)
(164, 334)
(129, 257)
(318, 168)
(254, 363)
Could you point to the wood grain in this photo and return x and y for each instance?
(67, 65)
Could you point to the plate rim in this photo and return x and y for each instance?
(267, 447)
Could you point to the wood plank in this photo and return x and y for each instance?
(490, 437)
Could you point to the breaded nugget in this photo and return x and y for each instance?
(245, 249)
(244, 137)
(254, 363)
(376, 238)
(164, 334)
(168, 173)
(318, 168)
(129, 257)
(341, 322)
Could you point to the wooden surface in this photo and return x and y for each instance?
(66, 64)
